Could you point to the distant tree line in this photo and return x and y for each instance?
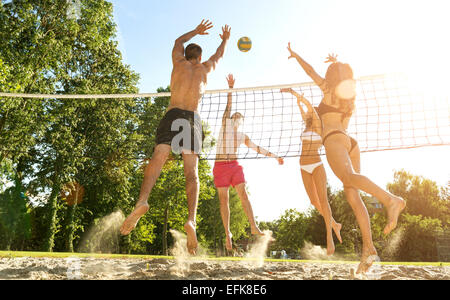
(426, 217)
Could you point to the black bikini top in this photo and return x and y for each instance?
(325, 108)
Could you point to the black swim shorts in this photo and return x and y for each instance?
(181, 129)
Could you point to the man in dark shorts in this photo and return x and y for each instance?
(188, 81)
(181, 129)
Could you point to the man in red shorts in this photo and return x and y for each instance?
(227, 170)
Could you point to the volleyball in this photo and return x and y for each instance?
(244, 44)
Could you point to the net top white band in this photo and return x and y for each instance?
(150, 95)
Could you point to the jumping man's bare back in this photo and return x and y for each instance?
(189, 77)
(187, 85)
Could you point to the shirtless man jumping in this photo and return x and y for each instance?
(188, 81)
(227, 170)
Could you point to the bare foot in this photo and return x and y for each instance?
(256, 231)
(131, 221)
(229, 242)
(393, 211)
(337, 230)
(368, 257)
(231, 253)
(192, 242)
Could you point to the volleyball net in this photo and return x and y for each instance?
(390, 114)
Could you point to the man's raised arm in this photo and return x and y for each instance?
(227, 112)
(211, 63)
(178, 49)
(260, 150)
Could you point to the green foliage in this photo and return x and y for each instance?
(423, 196)
(343, 214)
(14, 215)
(427, 214)
(316, 231)
(211, 227)
(238, 219)
(6, 174)
(60, 141)
(413, 240)
(291, 234)
(419, 238)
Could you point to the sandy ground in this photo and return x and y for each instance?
(200, 269)
(185, 267)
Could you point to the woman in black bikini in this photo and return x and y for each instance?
(343, 153)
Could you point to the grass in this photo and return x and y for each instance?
(14, 254)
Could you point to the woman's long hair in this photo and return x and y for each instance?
(338, 72)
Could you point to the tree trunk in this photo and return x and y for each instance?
(70, 226)
(166, 219)
(9, 241)
(49, 241)
(215, 239)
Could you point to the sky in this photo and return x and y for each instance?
(375, 37)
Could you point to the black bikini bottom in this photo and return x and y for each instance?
(354, 143)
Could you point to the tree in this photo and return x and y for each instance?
(423, 196)
(211, 226)
(343, 214)
(48, 51)
(28, 48)
(418, 242)
(426, 215)
(14, 215)
(291, 234)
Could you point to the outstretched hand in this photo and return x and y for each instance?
(302, 96)
(230, 80)
(280, 161)
(291, 52)
(332, 58)
(286, 90)
(290, 90)
(226, 31)
(203, 27)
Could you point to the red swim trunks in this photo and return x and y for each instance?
(228, 173)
